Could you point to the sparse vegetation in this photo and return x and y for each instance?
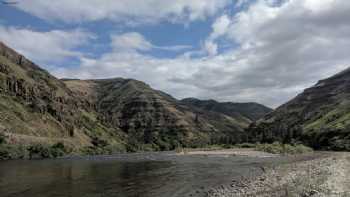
(58, 150)
(278, 148)
(246, 145)
(11, 151)
(45, 151)
(8, 152)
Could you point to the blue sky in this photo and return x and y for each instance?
(263, 51)
(164, 33)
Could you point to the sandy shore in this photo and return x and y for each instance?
(319, 177)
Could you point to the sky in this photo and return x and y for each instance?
(265, 51)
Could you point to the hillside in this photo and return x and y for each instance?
(36, 107)
(153, 117)
(320, 116)
(251, 111)
(95, 116)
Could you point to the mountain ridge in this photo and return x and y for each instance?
(319, 116)
(101, 115)
(229, 108)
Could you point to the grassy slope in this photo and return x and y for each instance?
(23, 124)
(320, 117)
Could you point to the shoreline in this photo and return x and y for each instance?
(324, 175)
(190, 174)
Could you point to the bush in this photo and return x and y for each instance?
(2, 139)
(8, 152)
(39, 151)
(147, 147)
(278, 148)
(302, 148)
(115, 148)
(99, 142)
(93, 150)
(44, 151)
(58, 150)
(246, 145)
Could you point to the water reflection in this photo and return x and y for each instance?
(81, 178)
(125, 176)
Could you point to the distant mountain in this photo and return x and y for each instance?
(251, 111)
(320, 116)
(150, 116)
(108, 114)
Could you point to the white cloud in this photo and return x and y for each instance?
(210, 47)
(132, 41)
(285, 48)
(220, 27)
(45, 47)
(282, 50)
(126, 11)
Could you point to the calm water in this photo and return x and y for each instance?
(127, 175)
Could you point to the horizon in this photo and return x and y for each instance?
(263, 51)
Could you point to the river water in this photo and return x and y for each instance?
(125, 175)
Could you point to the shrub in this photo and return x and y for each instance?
(275, 148)
(114, 148)
(38, 150)
(302, 148)
(99, 142)
(2, 138)
(93, 150)
(58, 150)
(45, 151)
(12, 152)
(278, 148)
(246, 145)
(147, 147)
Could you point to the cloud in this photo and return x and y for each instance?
(220, 26)
(45, 47)
(210, 47)
(125, 11)
(219, 29)
(240, 3)
(282, 49)
(132, 41)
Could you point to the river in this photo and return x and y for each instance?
(126, 175)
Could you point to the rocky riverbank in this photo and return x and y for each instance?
(328, 175)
